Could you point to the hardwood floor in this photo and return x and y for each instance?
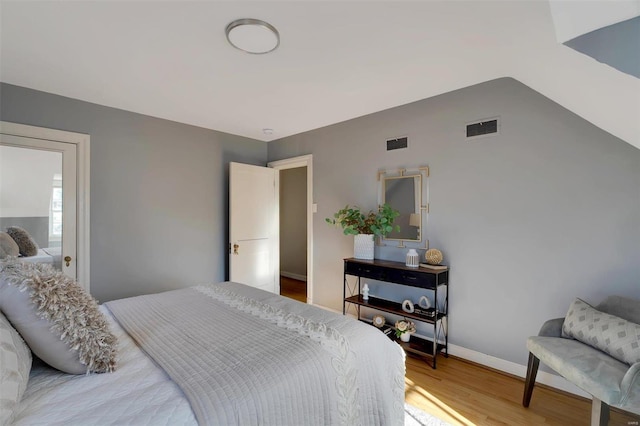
(465, 393)
(293, 289)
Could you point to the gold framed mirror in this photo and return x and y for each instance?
(403, 190)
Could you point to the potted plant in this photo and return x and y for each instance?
(404, 329)
(365, 226)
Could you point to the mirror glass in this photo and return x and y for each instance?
(403, 194)
(31, 198)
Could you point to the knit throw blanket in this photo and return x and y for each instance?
(247, 357)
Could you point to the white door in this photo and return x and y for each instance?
(38, 184)
(253, 227)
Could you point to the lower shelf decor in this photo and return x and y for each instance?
(404, 329)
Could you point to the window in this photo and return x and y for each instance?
(55, 211)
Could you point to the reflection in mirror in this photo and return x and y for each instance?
(403, 194)
(31, 198)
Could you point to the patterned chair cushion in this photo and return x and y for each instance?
(611, 334)
(15, 365)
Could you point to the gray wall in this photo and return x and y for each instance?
(37, 227)
(528, 219)
(616, 45)
(159, 192)
(293, 221)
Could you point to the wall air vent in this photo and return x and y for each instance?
(398, 143)
(481, 128)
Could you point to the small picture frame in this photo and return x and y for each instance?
(379, 321)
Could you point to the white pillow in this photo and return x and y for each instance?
(60, 322)
(8, 247)
(611, 334)
(15, 365)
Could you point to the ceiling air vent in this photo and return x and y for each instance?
(398, 143)
(481, 128)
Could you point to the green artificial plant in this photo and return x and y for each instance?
(353, 221)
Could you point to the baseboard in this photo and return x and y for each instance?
(509, 367)
(294, 276)
(326, 308)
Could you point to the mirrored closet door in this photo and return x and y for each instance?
(38, 193)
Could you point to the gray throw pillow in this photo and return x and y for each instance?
(15, 364)
(611, 334)
(57, 318)
(8, 247)
(27, 246)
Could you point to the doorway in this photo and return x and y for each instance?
(293, 233)
(294, 182)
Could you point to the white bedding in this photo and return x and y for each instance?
(138, 393)
(56, 255)
(358, 378)
(41, 257)
(243, 356)
(49, 255)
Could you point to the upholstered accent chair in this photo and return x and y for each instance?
(611, 381)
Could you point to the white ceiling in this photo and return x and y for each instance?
(575, 18)
(336, 60)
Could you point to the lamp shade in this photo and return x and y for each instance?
(414, 219)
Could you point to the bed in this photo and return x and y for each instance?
(221, 354)
(49, 255)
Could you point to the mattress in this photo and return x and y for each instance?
(138, 393)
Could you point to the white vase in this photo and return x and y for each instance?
(405, 337)
(363, 246)
(412, 259)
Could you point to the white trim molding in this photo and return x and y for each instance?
(509, 367)
(82, 142)
(293, 276)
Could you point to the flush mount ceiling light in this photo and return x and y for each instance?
(253, 36)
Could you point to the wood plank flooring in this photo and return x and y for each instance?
(464, 393)
(293, 289)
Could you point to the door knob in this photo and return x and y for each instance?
(235, 248)
(67, 259)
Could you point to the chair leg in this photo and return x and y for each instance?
(532, 371)
(599, 413)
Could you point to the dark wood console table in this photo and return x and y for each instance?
(436, 281)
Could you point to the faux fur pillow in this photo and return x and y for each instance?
(27, 246)
(8, 247)
(60, 322)
(15, 364)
